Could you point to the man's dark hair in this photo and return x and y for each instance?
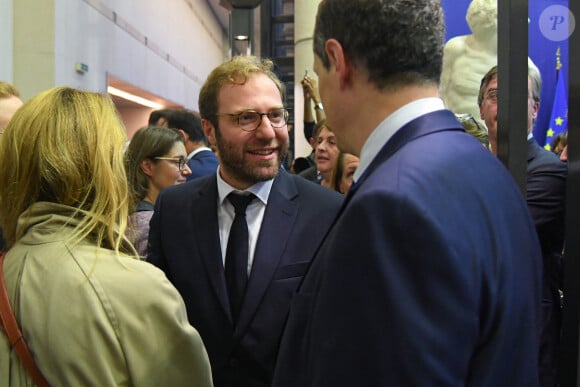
(399, 42)
(155, 115)
(189, 123)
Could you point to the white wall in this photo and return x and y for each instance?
(304, 19)
(6, 40)
(125, 38)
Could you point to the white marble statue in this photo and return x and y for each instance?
(467, 58)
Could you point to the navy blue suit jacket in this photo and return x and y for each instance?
(430, 275)
(545, 194)
(203, 163)
(546, 197)
(184, 242)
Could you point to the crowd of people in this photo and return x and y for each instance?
(191, 257)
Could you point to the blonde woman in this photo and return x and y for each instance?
(91, 313)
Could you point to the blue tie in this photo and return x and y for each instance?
(236, 266)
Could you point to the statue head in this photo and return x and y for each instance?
(482, 16)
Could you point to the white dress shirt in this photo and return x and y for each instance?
(254, 214)
(194, 152)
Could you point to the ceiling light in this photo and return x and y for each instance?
(134, 98)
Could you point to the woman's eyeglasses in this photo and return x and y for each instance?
(181, 162)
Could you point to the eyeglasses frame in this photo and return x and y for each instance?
(238, 114)
(181, 161)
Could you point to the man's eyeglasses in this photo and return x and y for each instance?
(249, 120)
(181, 162)
(491, 95)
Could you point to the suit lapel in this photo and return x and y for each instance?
(206, 228)
(274, 233)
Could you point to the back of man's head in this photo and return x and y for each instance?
(188, 122)
(399, 42)
(160, 117)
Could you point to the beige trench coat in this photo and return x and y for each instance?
(91, 318)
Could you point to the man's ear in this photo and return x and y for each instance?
(536, 110)
(338, 60)
(183, 134)
(209, 131)
(146, 166)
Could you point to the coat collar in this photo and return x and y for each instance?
(437, 121)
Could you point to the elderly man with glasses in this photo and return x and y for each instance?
(546, 179)
(237, 243)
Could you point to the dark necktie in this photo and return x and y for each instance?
(236, 266)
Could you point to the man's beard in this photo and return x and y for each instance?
(232, 160)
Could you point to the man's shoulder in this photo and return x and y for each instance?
(205, 155)
(309, 174)
(541, 159)
(309, 188)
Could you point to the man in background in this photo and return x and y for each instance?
(431, 273)
(546, 197)
(200, 158)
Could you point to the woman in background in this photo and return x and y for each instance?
(343, 172)
(155, 159)
(91, 313)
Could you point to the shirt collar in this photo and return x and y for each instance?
(260, 189)
(390, 125)
(196, 151)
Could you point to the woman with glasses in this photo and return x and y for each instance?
(91, 312)
(155, 159)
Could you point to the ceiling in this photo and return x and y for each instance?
(221, 10)
(132, 89)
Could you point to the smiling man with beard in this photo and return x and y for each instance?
(239, 303)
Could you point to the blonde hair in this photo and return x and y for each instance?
(235, 71)
(7, 90)
(65, 146)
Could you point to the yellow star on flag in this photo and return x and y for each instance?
(559, 121)
(550, 133)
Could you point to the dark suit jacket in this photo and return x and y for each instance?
(311, 174)
(184, 242)
(546, 194)
(203, 163)
(430, 275)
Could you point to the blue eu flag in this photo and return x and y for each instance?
(559, 117)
